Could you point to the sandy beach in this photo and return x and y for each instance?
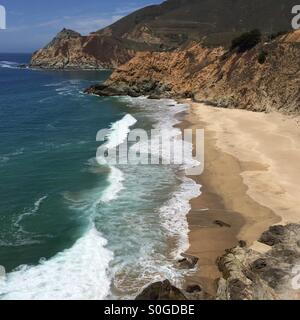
(250, 181)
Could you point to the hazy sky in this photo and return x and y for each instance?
(32, 23)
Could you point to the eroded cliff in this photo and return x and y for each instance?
(217, 76)
(70, 50)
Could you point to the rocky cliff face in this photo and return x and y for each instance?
(249, 275)
(164, 27)
(217, 76)
(70, 50)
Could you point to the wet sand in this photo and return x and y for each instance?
(250, 181)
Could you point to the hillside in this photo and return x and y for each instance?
(214, 75)
(164, 27)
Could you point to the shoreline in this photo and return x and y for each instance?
(240, 198)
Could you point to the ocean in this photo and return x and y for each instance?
(69, 227)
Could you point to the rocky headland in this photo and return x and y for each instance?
(71, 50)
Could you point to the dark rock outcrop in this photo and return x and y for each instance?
(161, 291)
(222, 224)
(249, 275)
(188, 262)
(153, 89)
(246, 274)
(275, 235)
(193, 288)
(70, 50)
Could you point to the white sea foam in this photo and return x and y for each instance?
(66, 91)
(116, 178)
(67, 87)
(17, 152)
(77, 273)
(54, 84)
(118, 133)
(7, 157)
(173, 213)
(30, 211)
(9, 64)
(4, 159)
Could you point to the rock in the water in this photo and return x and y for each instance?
(188, 262)
(161, 291)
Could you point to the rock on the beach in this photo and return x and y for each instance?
(188, 262)
(222, 224)
(250, 275)
(193, 288)
(238, 282)
(161, 291)
(274, 235)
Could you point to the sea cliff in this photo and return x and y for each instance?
(216, 76)
(70, 50)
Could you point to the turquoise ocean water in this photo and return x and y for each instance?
(70, 228)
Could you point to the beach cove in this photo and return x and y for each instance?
(250, 182)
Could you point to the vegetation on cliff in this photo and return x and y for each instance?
(246, 41)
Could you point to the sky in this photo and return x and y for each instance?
(31, 24)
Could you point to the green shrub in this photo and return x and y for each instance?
(274, 35)
(262, 57)
(246, 41)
